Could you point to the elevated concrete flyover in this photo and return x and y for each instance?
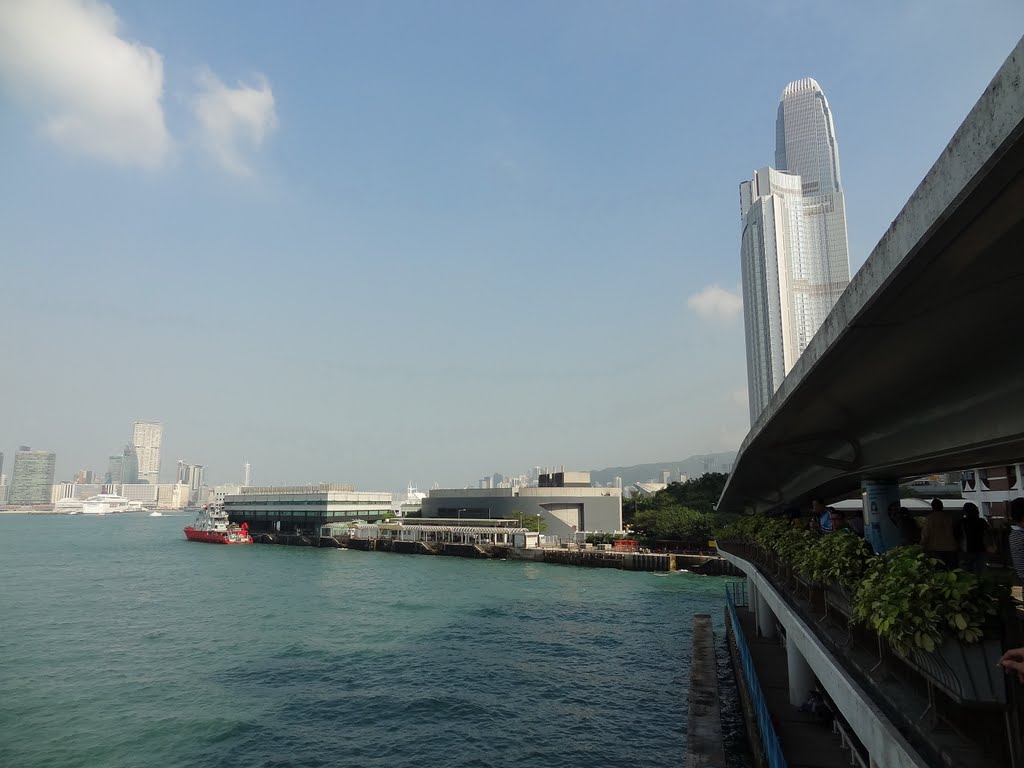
(920, 366)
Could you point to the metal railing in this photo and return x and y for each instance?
(851, 744)
(737, 593)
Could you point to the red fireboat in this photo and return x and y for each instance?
(212, 526)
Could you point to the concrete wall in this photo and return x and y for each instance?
(597, 512)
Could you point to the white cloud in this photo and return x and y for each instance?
(232, 117)
(714, 303)
(99, 94)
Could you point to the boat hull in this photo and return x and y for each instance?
(215, 537)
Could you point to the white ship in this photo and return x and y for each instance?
(101, 504)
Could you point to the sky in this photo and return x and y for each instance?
(382, 243)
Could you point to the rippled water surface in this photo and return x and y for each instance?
(122, 644)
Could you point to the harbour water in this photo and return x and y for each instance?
(122, 644)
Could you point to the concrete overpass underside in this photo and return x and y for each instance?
(920, 366)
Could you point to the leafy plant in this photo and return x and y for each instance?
(908, 599)
(743, 529)
(839, 558)
(771, 533)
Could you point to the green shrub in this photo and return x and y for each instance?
(911, 601)
(839, 558)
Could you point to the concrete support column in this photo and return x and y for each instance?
(801, 679)
(765, 618)
(881, 529)
(751, 596)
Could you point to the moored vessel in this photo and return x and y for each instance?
(212, 526)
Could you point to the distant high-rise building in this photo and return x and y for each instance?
(191, 475)
(794, 255)
(84, 476)
(33, 476)
(247, 475)
(115, 469)
(805, 145)
(147, 438)
(123, 467)
(1, 464)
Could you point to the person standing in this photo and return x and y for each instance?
(975, 533)
(938, 537)
(822, 515)
(838, 518)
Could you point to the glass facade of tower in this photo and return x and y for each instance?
(775, 296)
(794, 253)
(805, 144)
(33, 477)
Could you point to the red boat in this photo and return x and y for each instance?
(212, 526)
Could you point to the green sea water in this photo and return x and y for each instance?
(122, 644)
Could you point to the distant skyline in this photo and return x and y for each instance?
(377, 244)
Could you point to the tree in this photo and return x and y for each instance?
(674, 523)
(535, 523)
(700, 494)
(530, 522)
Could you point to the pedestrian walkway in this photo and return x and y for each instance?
(805, 742)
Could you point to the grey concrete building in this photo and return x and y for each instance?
(565, 501)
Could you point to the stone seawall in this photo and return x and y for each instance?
(709, 565)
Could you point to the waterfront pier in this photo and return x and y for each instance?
(863, 410)
(490, 541)
(704, 745)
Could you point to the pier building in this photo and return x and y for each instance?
(304, 507)
(565, 501)
(853, 415)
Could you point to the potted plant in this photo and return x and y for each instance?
(936, 621)
(835, 563)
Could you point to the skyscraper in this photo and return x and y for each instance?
(33, 476)
(805, 145)
(192, 476)
(247, 475)
(123, 467)
(147, 437)
(794, 255)
(771, 206)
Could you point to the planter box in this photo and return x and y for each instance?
(839, 600)
(970, 674)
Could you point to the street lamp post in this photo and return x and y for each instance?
(538, 529)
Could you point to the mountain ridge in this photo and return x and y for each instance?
(693, 466)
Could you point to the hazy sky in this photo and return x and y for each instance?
(423, 241)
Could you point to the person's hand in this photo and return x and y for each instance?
(1013, 661)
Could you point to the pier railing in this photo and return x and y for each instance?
(736, 593)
